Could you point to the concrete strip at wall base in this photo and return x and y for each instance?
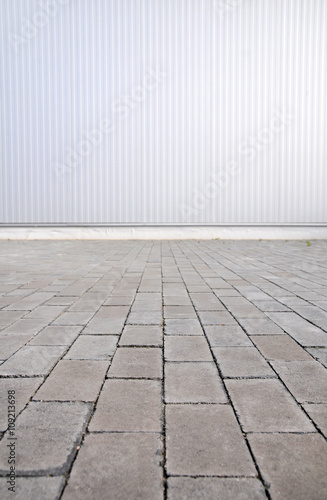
(164, 232)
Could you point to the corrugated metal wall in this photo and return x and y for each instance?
(163, 111)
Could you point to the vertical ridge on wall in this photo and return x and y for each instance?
(163, 112)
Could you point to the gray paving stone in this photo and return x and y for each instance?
(30, 302)
(281, 347)
(24, 389)
(112, 312)
(260, 326)
(236, 301)
(153, 305)
(6, 301)
(128, 406)
(73, 318)
(199, 289)
(252, 292)
(174, 289)
(136, 362)
(186, 348)
(26, 327)
(270, 277)
(73, 380)
(90, 301)
(61, 301)
(227, 336)
(205, 440)
(216, 318)
(266, 406)
(145, 318)
(47, 436)
(37, 488)
(77, 288)
(11, 343)
(119, 300)
(320, 303)
(9, 317)
(179, 312)
(109, 320)
(320, 355)
(214, 488)
(313, 314)
(246, 312)
(193, 383)
(136, 335)
(93, 347)
(294, 373)
(177, 300)
(292, 465)
(32, 360)
(48, 313)
(270, 305)
(217, 283)
(226, 292)
(300, 329)
(182, 327)
(129, 468)
(318, 413)
(56, 335)
(242, 362)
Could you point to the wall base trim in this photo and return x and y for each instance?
(164, 232)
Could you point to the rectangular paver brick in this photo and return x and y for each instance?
(179, 312)
(25, 327)
(93, 347)
(37, 488)
(207, 302)
(186, 348)
(145, 317)
(193, 383)
(292, 465)
(136, 362)
(56, 335)
(245, 311)
(48, 313)
(242, 362)
(134, 335)
(260, 326)
(183, 327)
(280, 347)
(90, 301)
(300, 329)
(320, 354)
(205, 440)
(216, 318)
(318, 413)
(213, 488)
(11, 343)
(74, 380)
(266, 406)
(306, 380)
(32, 360)
(73, 318)
(9, 317)
(128, 406)
(46, 446)
(229, 335)
(117, 466)
(24, 389)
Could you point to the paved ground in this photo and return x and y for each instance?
(227, 401)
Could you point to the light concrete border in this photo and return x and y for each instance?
(163, 232)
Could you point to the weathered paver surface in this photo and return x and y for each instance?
(163, 370)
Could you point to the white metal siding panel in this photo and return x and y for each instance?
(226, 69)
